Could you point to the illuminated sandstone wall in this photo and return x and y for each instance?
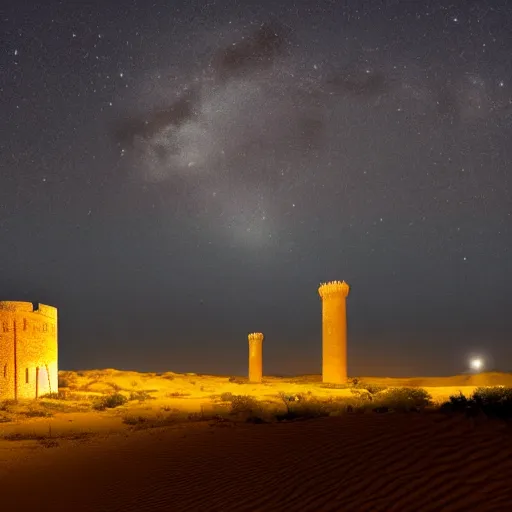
(28, 350)
(255, 356)
(334, 331)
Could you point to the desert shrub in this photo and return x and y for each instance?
(109, 401)
(177, 394)
(373, 389)
(226, 397)
(199, 416)
(62, 406)
(64, 382)
(304, 410)
(361, 394)
(141, 396)
(492, 395)
(236, 380)
(356, 383)
(34, 413)
(301, 406)
(401, 400)
(59, 395)
(292, 397)
(4, 418)
(49, 443)
(456, 403)
(53, 396)
(34, 436)
(135, 420)
(244, 403)
(248, 407)
(7, 404)
(493, 401)
(80, 397)
(24, 436)
(161, 420)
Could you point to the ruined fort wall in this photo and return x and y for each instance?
(28, 346)
(6, 359)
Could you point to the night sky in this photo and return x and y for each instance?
(175, 175)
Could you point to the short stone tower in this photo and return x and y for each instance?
(255, 356)
(28, 350)
(334, 331)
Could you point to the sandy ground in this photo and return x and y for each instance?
(93, 461)
(410, 462)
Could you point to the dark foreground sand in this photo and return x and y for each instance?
(354, 463)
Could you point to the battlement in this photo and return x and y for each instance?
(28, 307)
(333, 288)
(255, 336)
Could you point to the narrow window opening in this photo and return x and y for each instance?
(25, 324)
(5, 371)
(26, 375)
(5, 326)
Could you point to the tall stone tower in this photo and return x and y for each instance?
(255, 356)
(334, 331)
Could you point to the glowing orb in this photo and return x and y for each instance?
(476, 364)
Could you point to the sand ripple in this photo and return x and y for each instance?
(353, 463)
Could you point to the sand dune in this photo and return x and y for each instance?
(412, 462)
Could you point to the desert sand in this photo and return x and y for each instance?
(82, 459)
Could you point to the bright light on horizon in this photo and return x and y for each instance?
(476, 364)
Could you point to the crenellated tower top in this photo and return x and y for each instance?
(12, 306)
(333, 288)
(255, 336)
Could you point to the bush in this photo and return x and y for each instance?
(7, 404)
(37, 413)
(226, 397)
(249, 408)
(301, 406)
(305, 410)
(60, 395)
(456, 403)
(109, 401)
(401, 400)
(373, 389)
(244, 404)
(135, 420)
(141, 396)
(63, 382)
(493, 401)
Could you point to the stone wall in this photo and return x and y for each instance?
(28, 350)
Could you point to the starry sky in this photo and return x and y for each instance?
(176, 174)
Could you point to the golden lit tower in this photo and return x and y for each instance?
(255, 356)
(28, 350)
(334, 331)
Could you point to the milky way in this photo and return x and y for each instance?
(262, 115)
